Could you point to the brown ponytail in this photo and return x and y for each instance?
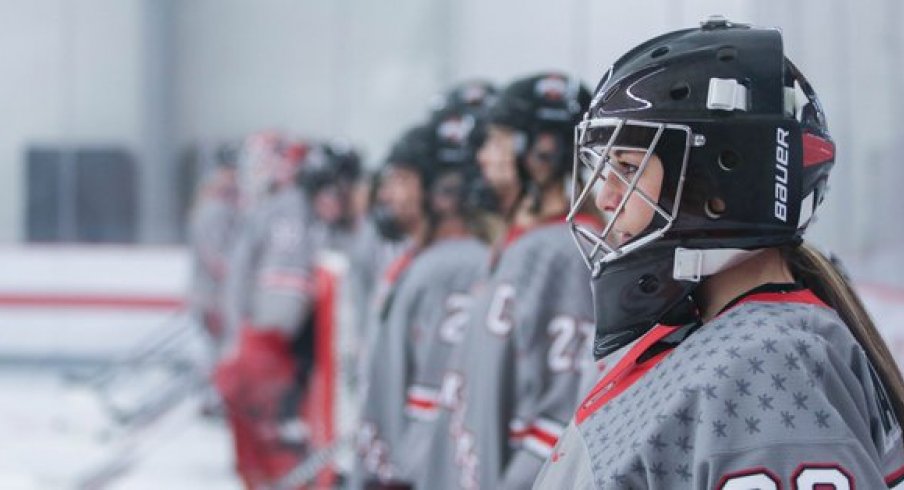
(824, 278)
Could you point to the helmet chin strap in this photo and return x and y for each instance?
(695, 264)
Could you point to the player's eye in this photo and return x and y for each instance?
(626, 169)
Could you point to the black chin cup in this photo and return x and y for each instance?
(386, 223)
(633, 294)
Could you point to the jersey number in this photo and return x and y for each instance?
(499, 318)
(452, 329)
(563, 351)
(807, 477)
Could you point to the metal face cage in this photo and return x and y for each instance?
(596, 140)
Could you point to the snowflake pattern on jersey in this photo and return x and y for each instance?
(748, 377)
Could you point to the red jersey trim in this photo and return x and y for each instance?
(625, 373)
(758, 470)
(422, 399)
(628, 371)
(399, 265)
(422, 404)
(802, 296)
(545, 432)
(895, 477)
(518, 430)
(543, 437)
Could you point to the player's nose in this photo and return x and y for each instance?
(608, 196)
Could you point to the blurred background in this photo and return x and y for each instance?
(109, 105)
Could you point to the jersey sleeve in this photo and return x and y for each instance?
(284, 289)
(237, 286)
(568, 466)
(210, 235)
(383, 410)
(553, 321)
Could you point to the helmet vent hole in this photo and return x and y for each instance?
(660, 51)
(727, 54)
(729, 160)
(648, 284)
(714, 208)
(680, 91)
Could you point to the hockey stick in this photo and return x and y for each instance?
(306, 471)
(138, 441)
(147, 347)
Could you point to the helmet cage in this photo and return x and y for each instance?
(595, 140)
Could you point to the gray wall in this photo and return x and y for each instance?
(157, 75)
(70, 73)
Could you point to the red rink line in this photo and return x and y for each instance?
(90, 301)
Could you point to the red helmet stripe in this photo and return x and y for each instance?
(817, 150)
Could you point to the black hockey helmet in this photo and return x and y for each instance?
(474, 94)
(547, 102)
(414, 151)
(329, 164)
(459, 127)
(745, 152)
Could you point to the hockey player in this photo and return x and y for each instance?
(212, 228)
(271, 281)
(329, 177)
(429, 303)
(399, 216)
(371, 254)
(510, 385)
(744, 359)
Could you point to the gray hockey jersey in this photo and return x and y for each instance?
(270, 284)
(511, 387)
(424, 321)
(773, 393)
(211, 234)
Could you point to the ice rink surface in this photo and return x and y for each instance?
(58, 434)
(90, 307)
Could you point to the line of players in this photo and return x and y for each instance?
(464, 235)
(478, 337)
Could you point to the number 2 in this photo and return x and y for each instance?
(452, 328)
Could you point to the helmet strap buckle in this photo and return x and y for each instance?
(694, 264)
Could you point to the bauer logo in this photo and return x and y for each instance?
(781, 174)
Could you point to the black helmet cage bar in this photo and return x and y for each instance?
(593, 156)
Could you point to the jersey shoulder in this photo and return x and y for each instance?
(774, 372)
(547, 246)
(447, 258)
(451, 254)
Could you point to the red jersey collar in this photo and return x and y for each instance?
(799, 296)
